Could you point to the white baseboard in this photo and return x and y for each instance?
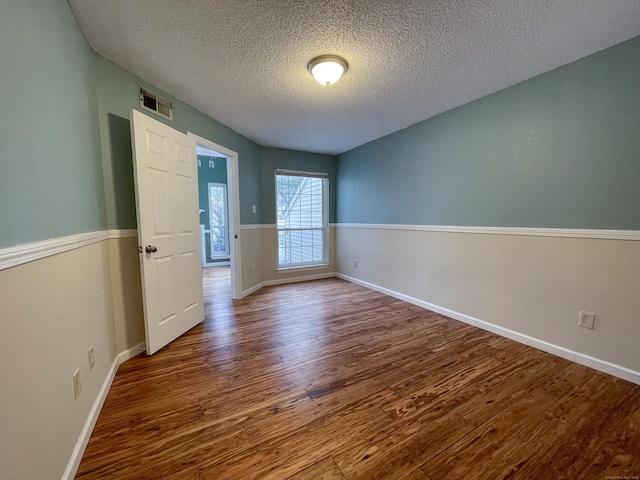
(217, 264)
(249, 291)
(282, 281)
(94, 413)
(92, 418)
(581, 358)
(132, 352)
(608, 367)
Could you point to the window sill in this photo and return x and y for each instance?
(319, 266)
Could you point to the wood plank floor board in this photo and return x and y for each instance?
(437, 367)
(126, 438)
(627, 434)
(216, 355)
(242, 401)
(449, 359)
(441, 398)
(326, 403)
(159, 397)
(401, 447)
(170, 456)
(250, 362)
(325, 469)
(370, 380)
(489, 447)
(416, 475)
(586, 436)
(314, 348)
(389, 461)
(406, 344)
(568, 421)
(326, 379)
(611, 463)
(308, 372)
(281, 456)
(491, 395)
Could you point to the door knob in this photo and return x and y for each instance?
(150, 249)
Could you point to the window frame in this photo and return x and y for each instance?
(218, 255)
(324, 262)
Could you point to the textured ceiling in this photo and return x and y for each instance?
(244, 63)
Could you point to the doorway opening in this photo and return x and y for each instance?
(219, 219)
(214, 207)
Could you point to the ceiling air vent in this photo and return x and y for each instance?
(152, 102)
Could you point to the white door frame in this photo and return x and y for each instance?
(233, 190)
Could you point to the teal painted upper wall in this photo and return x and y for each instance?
(65, 140)
(51, 181)
(561, 150)
(273, 158)
(117, 92)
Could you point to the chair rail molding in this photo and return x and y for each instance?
(29, 252)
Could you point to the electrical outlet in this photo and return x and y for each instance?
(355, 263)
(254, 209)
(250, 269)
(92, 358)
(77, 386)
(587, 319)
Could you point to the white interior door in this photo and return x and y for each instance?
(166, 181)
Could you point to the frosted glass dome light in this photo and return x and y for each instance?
(327, 69)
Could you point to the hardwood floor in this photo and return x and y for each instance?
(326, 379)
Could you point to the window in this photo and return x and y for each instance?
(219, 235)
(301, 206)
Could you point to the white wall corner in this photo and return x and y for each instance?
(249, 291)
(131, 352)
(114, 234)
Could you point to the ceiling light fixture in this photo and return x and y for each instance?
(327, 69)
